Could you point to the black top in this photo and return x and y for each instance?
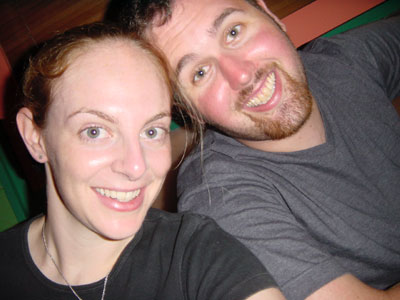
(173, 256)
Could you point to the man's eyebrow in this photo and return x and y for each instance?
(93, 112)
(212, 31)
(184, 61)
(220, 19)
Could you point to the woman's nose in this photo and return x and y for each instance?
(130, 161)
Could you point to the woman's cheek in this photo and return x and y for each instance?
(159, 160)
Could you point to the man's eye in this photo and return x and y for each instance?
(200, 73)
(233, 33)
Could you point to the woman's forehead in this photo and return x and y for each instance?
(111, 75)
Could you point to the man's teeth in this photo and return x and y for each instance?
(120, 196)
(266, 92)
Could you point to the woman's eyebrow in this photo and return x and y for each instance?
(93, 112)
(159, 116)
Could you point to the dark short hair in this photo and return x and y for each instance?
(55, 56)
(138, 15)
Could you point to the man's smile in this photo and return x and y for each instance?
(265, 92)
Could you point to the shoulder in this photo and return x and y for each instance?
(14, 241)
(224, 176)
(363, 62)
(186, 223)
(219, 160)
(14, 235)
(9, 238)
(211, 262)
(215, 146)
(14, 253)
(188, 228)
(386, 30)
(359, 45)
(193, 234)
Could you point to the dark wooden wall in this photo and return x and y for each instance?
(26, 23)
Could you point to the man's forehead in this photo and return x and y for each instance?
(191, 21)
(183, 11)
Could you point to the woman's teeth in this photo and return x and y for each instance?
(266, 92)
(117, 195)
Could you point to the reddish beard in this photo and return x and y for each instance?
(287, 118)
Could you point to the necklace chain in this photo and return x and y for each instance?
(59, 270)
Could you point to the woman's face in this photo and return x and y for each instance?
(106, 140)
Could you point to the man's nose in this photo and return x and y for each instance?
(130, 161)
(237, 71)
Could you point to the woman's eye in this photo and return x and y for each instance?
(153, 133)
(200, 73)
(94, 132)
(233, 33)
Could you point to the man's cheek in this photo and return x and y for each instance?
(212, 102)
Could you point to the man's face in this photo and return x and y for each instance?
(237, 67)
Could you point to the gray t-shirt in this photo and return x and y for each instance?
(316, 214)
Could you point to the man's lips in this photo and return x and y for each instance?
(265, 92)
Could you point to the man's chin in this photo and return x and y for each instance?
(251, 134)
(266, 130)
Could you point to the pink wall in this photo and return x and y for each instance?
(321, 16)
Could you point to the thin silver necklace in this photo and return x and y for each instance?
(59, 271)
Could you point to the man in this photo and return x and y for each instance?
(303, 164)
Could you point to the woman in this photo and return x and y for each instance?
(96, 113)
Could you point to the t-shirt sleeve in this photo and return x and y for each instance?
(217, 266)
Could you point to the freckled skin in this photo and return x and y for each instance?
(104, 88)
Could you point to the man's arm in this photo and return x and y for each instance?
(348, 287)
(270, 294)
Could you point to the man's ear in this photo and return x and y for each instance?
(276, 19)
(31, 135)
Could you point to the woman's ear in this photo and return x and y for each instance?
(272, 15)
(31, 135)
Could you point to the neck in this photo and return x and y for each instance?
(311, 134)
(76, 255)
